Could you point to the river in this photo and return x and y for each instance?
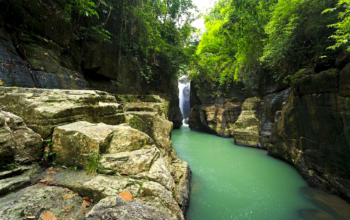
(234, 182)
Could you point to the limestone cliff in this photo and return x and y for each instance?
(311, 130)
(40, 48)
(245, 131)
(215, 115)
(306, 124)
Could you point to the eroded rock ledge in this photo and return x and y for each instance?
(127, 147)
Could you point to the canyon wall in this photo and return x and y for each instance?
(305, 124)
(215, 115)
(40, 48)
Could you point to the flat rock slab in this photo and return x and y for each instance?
(117, 208)
(100, 186)
(9, 173)
(44, 109)
(36, 200)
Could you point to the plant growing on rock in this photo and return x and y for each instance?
(48, 153)
(93, 164)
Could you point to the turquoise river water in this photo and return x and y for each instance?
(234, 182)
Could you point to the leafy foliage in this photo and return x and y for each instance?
(342, 33)
(297, 35)
(244, 39)
(152, 34)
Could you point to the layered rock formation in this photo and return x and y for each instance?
(131, 152)
(44, 109)
(311, 130)
(215, 115)
(272, 103)
(18, 143)
(245, 131)
(305, 124)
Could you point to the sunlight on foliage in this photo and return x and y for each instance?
(248, 38)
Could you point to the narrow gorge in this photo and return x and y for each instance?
(131, 110)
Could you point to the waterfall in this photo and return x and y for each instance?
(184, 96)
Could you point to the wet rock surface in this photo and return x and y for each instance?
(329, 206)
(12, 184)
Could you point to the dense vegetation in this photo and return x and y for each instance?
(245, 39)
(153, 33)
(149, 36)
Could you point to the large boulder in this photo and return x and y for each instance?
(181, 173)
(246, 129)
(112, 149)
(159, 130)
(121, 150)
(18, 143)
(43, 110)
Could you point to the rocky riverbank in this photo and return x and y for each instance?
(112, 155)
(305, 124)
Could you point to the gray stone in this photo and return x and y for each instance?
(36, 200)
(18, 143)
(116, 208)
(12, 184)
(98, 187)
